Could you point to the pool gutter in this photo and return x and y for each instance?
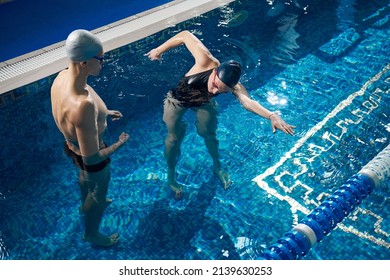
(31, 67)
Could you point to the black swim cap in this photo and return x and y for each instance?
(229, 73)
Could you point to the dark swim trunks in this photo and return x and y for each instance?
(78, 161)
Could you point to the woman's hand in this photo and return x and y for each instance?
(278, 123)
(154, 54)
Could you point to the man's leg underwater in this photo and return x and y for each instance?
(84, 189)
(83, 186)
(94, 206)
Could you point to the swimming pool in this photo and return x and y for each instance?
(324, 66)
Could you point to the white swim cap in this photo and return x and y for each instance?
(82, 45)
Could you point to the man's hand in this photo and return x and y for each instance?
(73, 148)
(124, 137)
(115, 115)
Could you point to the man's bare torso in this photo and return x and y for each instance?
(65, 106)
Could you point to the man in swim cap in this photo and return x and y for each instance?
(206, 79)
(80, 115)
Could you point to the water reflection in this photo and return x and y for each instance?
(346, 14)
(3, 249)
(286, 36)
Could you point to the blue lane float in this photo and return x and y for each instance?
(322, 220)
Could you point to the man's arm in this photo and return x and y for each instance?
(88, 138)
(253, 106)
(86, 128)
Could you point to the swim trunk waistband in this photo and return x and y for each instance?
(78, 161)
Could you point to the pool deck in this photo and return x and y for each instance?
(36, 65)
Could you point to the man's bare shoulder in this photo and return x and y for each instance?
(84, 111)
(57, 82)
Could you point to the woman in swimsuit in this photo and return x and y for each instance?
(206, 79)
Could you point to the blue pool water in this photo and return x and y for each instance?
(324, 66)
